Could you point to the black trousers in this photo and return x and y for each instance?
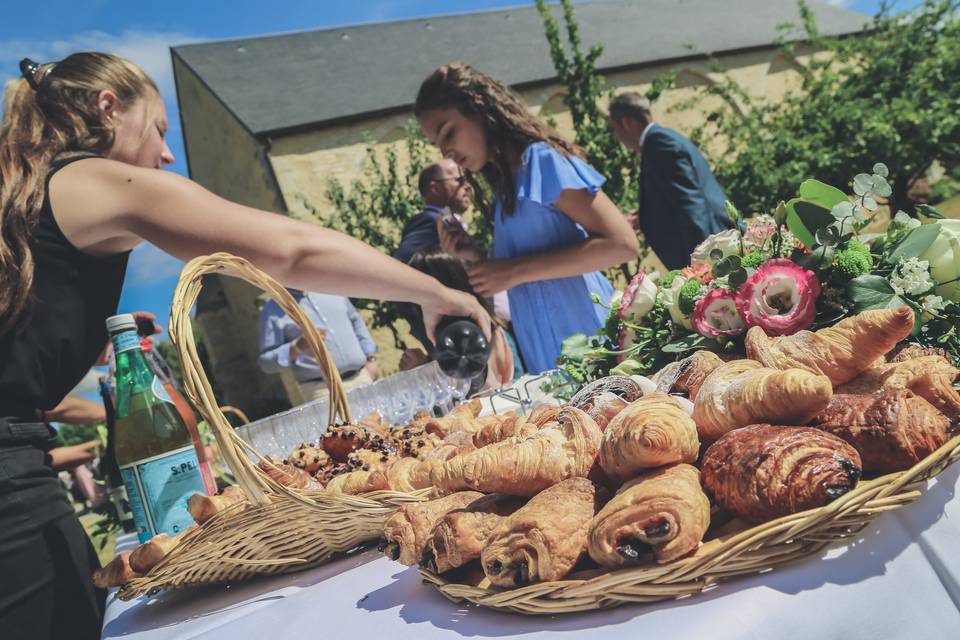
(45, 556)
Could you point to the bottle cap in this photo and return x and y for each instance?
(121, 322)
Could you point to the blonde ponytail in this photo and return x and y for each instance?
(52, 112)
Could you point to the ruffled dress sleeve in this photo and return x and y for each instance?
(546, 172)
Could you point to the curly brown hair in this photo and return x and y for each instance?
(508, 126)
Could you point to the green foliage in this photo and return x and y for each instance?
(576, 70)
(689, 293)
(668, 279)
(376, 207)
(752, 260)
(853, 261)
(888, 92)
(71, 434)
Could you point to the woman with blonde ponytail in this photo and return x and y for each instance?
(80, 144)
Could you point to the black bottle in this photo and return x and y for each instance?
(108, 464)
(461, 349)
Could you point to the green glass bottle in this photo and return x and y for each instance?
(153, 448)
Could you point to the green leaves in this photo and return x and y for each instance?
(812, 210)
(576, 347)
(871, 291)
(930, 212)
(915, 243)
(692, 342)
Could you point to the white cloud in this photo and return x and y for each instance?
(149, 49)
(149, 265)
(843, 4)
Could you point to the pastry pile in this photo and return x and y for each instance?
(631, 471)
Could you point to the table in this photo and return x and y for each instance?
(899, 579)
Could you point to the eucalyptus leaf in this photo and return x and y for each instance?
(686, 343)
(881, 187)
(737, 278)
(842, 210)
(862, 184)
(914, 243)
(869, 204)
(716, 255)
(880, 169)
(930, 211)
(828, 236)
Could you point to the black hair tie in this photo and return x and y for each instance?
(29, 69)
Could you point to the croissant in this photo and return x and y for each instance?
(891, 430)
(287, 474)
(542, 540)
(356, 482)
(544, 415)
(460, 536)
(116, 573)
(602, 399)
(839, 352)
(743, 392)
(930, 377)
(509, 427)
(146, 556)
(524, 467)
(203, 507)
(408, 474)
(911, 351)
(663, 513)
(375, 422)
(462, 418)
(687, 375)
(763, 472)
(406, 532)
(651, 432)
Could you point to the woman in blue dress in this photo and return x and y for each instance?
(553, 227)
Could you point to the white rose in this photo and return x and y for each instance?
(727, 241)
(944, 258)
(638, 298)
(670, 298)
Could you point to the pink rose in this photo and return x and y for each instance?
(716, 314)
(780, 297)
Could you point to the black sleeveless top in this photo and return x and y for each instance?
(64, 333)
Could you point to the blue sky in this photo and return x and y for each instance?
(144, 31)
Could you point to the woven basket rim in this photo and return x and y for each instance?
(768, 545)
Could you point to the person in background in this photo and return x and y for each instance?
(81, 148)
(553, 227)
(283, 346)
(681, 202)
(446, 196)
(503, 365)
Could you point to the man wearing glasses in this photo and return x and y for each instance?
(446, 195)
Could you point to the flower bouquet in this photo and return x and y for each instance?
(806, 265)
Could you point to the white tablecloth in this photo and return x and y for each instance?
(900, 580)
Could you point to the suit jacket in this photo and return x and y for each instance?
(680, 201)
(419, 233)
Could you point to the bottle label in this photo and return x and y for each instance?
(125, 341)
(159, 391)
(158, 489)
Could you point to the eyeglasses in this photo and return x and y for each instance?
(461, 179)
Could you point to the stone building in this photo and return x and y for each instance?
(267, 120)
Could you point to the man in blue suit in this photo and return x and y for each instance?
(680, 201)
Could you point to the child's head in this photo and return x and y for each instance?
(448, 270)
(482, 125)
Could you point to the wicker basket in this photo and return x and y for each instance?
(757, 549)
(282, 529)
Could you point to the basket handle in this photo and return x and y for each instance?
(254, 482)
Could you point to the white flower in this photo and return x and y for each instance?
(639, 297)
(944, 258)
(932, 304)
(912, 277)
(728, 242)
(670, 299)
(903, 219)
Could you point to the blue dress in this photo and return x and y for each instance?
(546, 312)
